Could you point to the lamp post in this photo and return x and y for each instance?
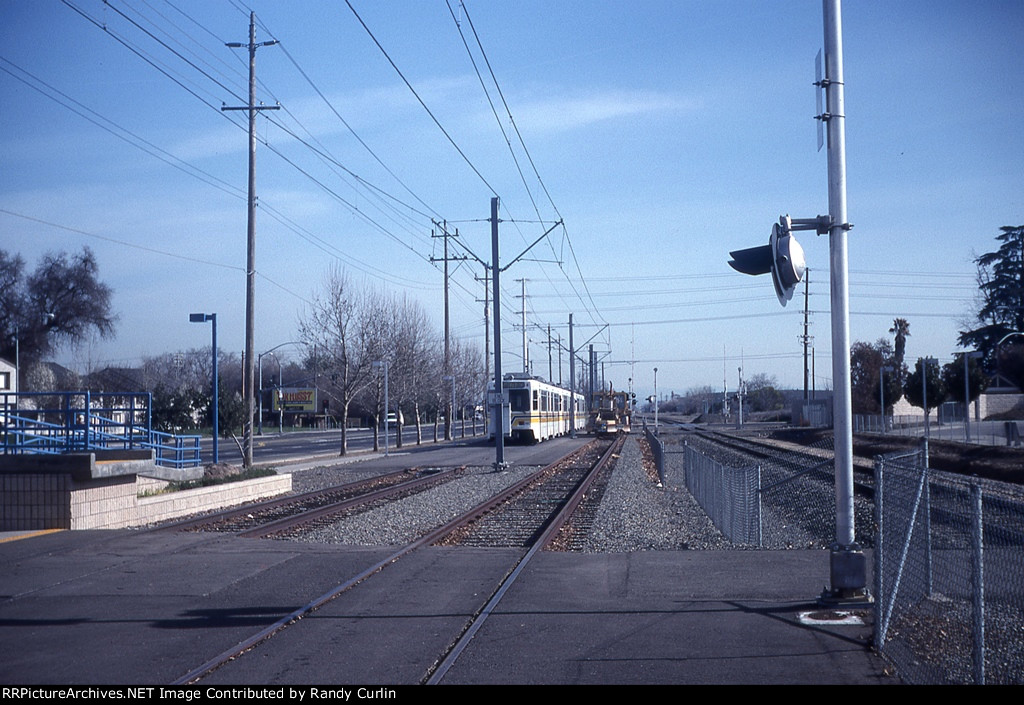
(967, 393)
(925, 361)
(881, 390)
(280, 382)
(17, 364)
(451, 421)
(280, 385)
(203, 318)
(655, 401)
(383, 365)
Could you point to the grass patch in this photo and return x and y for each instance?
(251, 474)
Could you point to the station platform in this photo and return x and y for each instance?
(146, 607)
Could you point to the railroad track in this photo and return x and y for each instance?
(515, 518)
(797, 489)
(289, 516)
(793, 456)
(545, 526)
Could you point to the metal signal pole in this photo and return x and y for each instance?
(497, 399)
(848, 569)
(250, 265)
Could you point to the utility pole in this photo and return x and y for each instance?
(496, 399)
(551, 378)
(447, 367)
(806, 338)
(572, 382)
(559, 359)
(592, 377)
(526, 348)
(487, 323)
(250, 266)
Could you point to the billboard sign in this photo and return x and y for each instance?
(300, 400)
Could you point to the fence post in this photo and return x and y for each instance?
(927, 522)
(760, 528)
(978, 578)
(880, 625)
(88, 417)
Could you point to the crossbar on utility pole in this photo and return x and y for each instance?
(250, 265)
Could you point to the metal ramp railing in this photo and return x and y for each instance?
(67, 422)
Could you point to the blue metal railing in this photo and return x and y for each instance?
(65, 422)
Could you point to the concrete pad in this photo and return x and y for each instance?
(666, 617)
(388, 631)
(148, 607)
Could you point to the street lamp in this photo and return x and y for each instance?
(655, 401)
(280, 383)
(203, 318)
(881, 390)
(383, 365)
(967, 393)
(925, 361)
(451, 420)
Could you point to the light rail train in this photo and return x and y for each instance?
(536, 410)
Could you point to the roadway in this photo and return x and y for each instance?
(278, 447)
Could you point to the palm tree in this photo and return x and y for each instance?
(901, 329)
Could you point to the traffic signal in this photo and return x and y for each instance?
(782, 257)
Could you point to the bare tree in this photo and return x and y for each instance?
(332, 323)
(412, 339)
(468, 370)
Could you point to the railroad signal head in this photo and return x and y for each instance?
(782, 257)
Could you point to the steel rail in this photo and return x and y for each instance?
(552, 528)
(420, 483)
(425, 540)
(277, 502)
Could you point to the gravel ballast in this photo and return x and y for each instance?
(635, 514)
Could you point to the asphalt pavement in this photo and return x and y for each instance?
(146, 607)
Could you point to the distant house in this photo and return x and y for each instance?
(8, 377)
(117, 380)
(8, 384)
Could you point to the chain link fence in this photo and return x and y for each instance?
(949, 575)
(790, 495)
(948, 550)
(997, 433)
(729, 495)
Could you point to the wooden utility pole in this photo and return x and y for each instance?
(250, 266)
(806, 338)
(487, 323)
(526, 345)
(448, 426)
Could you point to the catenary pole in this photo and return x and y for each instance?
(498, 397)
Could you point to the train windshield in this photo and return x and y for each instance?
(519, 399)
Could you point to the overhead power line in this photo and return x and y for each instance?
(421, 102)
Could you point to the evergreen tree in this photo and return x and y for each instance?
(1001, 284)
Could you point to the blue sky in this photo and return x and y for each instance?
(665, 133)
